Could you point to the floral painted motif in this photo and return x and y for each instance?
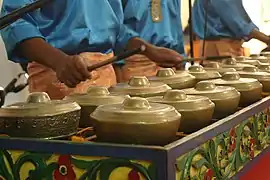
(209, 174)
(64, 170)
(133, 175)
(251, 148)
(232, 140)
(227, 153)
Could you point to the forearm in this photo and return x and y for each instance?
(38, 50)
(259, 36)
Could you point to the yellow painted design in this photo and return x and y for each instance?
(232, 149)
(120, 173)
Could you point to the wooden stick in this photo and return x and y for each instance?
(19, 13)
(81, 131)
(117, 58)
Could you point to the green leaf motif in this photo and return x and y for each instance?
(82, 164)
(4, 172)
(215, 151)
(44, 171)
(37, 160)
(181, 163)
(106, 166)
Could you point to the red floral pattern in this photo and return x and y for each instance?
(232, 140)
(251, 148)
(64, 170)
(232, 132)
(267, 122)
(133, 175)
(209, 174)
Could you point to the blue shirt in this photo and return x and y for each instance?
(166, 33)
(73, 26)
(226, 18)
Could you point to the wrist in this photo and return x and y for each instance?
(58, 61)
(260, 36)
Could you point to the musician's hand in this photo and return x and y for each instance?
(164, 57)
(72, 70)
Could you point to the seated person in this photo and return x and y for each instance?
(63, 38)
(157, 22)
(228, 26)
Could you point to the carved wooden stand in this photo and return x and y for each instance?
(230, 148)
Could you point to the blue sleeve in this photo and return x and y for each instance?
(233, 14)
(19, 31)
(124, 33)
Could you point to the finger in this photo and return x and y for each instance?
(64, 81)
(172, 61)
(177, 59)
(81, 66)
(173, 56)
(66, 76)
(70, 80)
(168, 62)
(180, 64)
(166, 65)
(74, 81)
(69, 84)
(75, 72)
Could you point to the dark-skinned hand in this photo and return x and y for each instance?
(164, 57)
(72, 70)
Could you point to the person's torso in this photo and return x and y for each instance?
(216, 28)
(138, 16)
(76, 26)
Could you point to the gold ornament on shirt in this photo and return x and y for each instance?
(156, 10)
